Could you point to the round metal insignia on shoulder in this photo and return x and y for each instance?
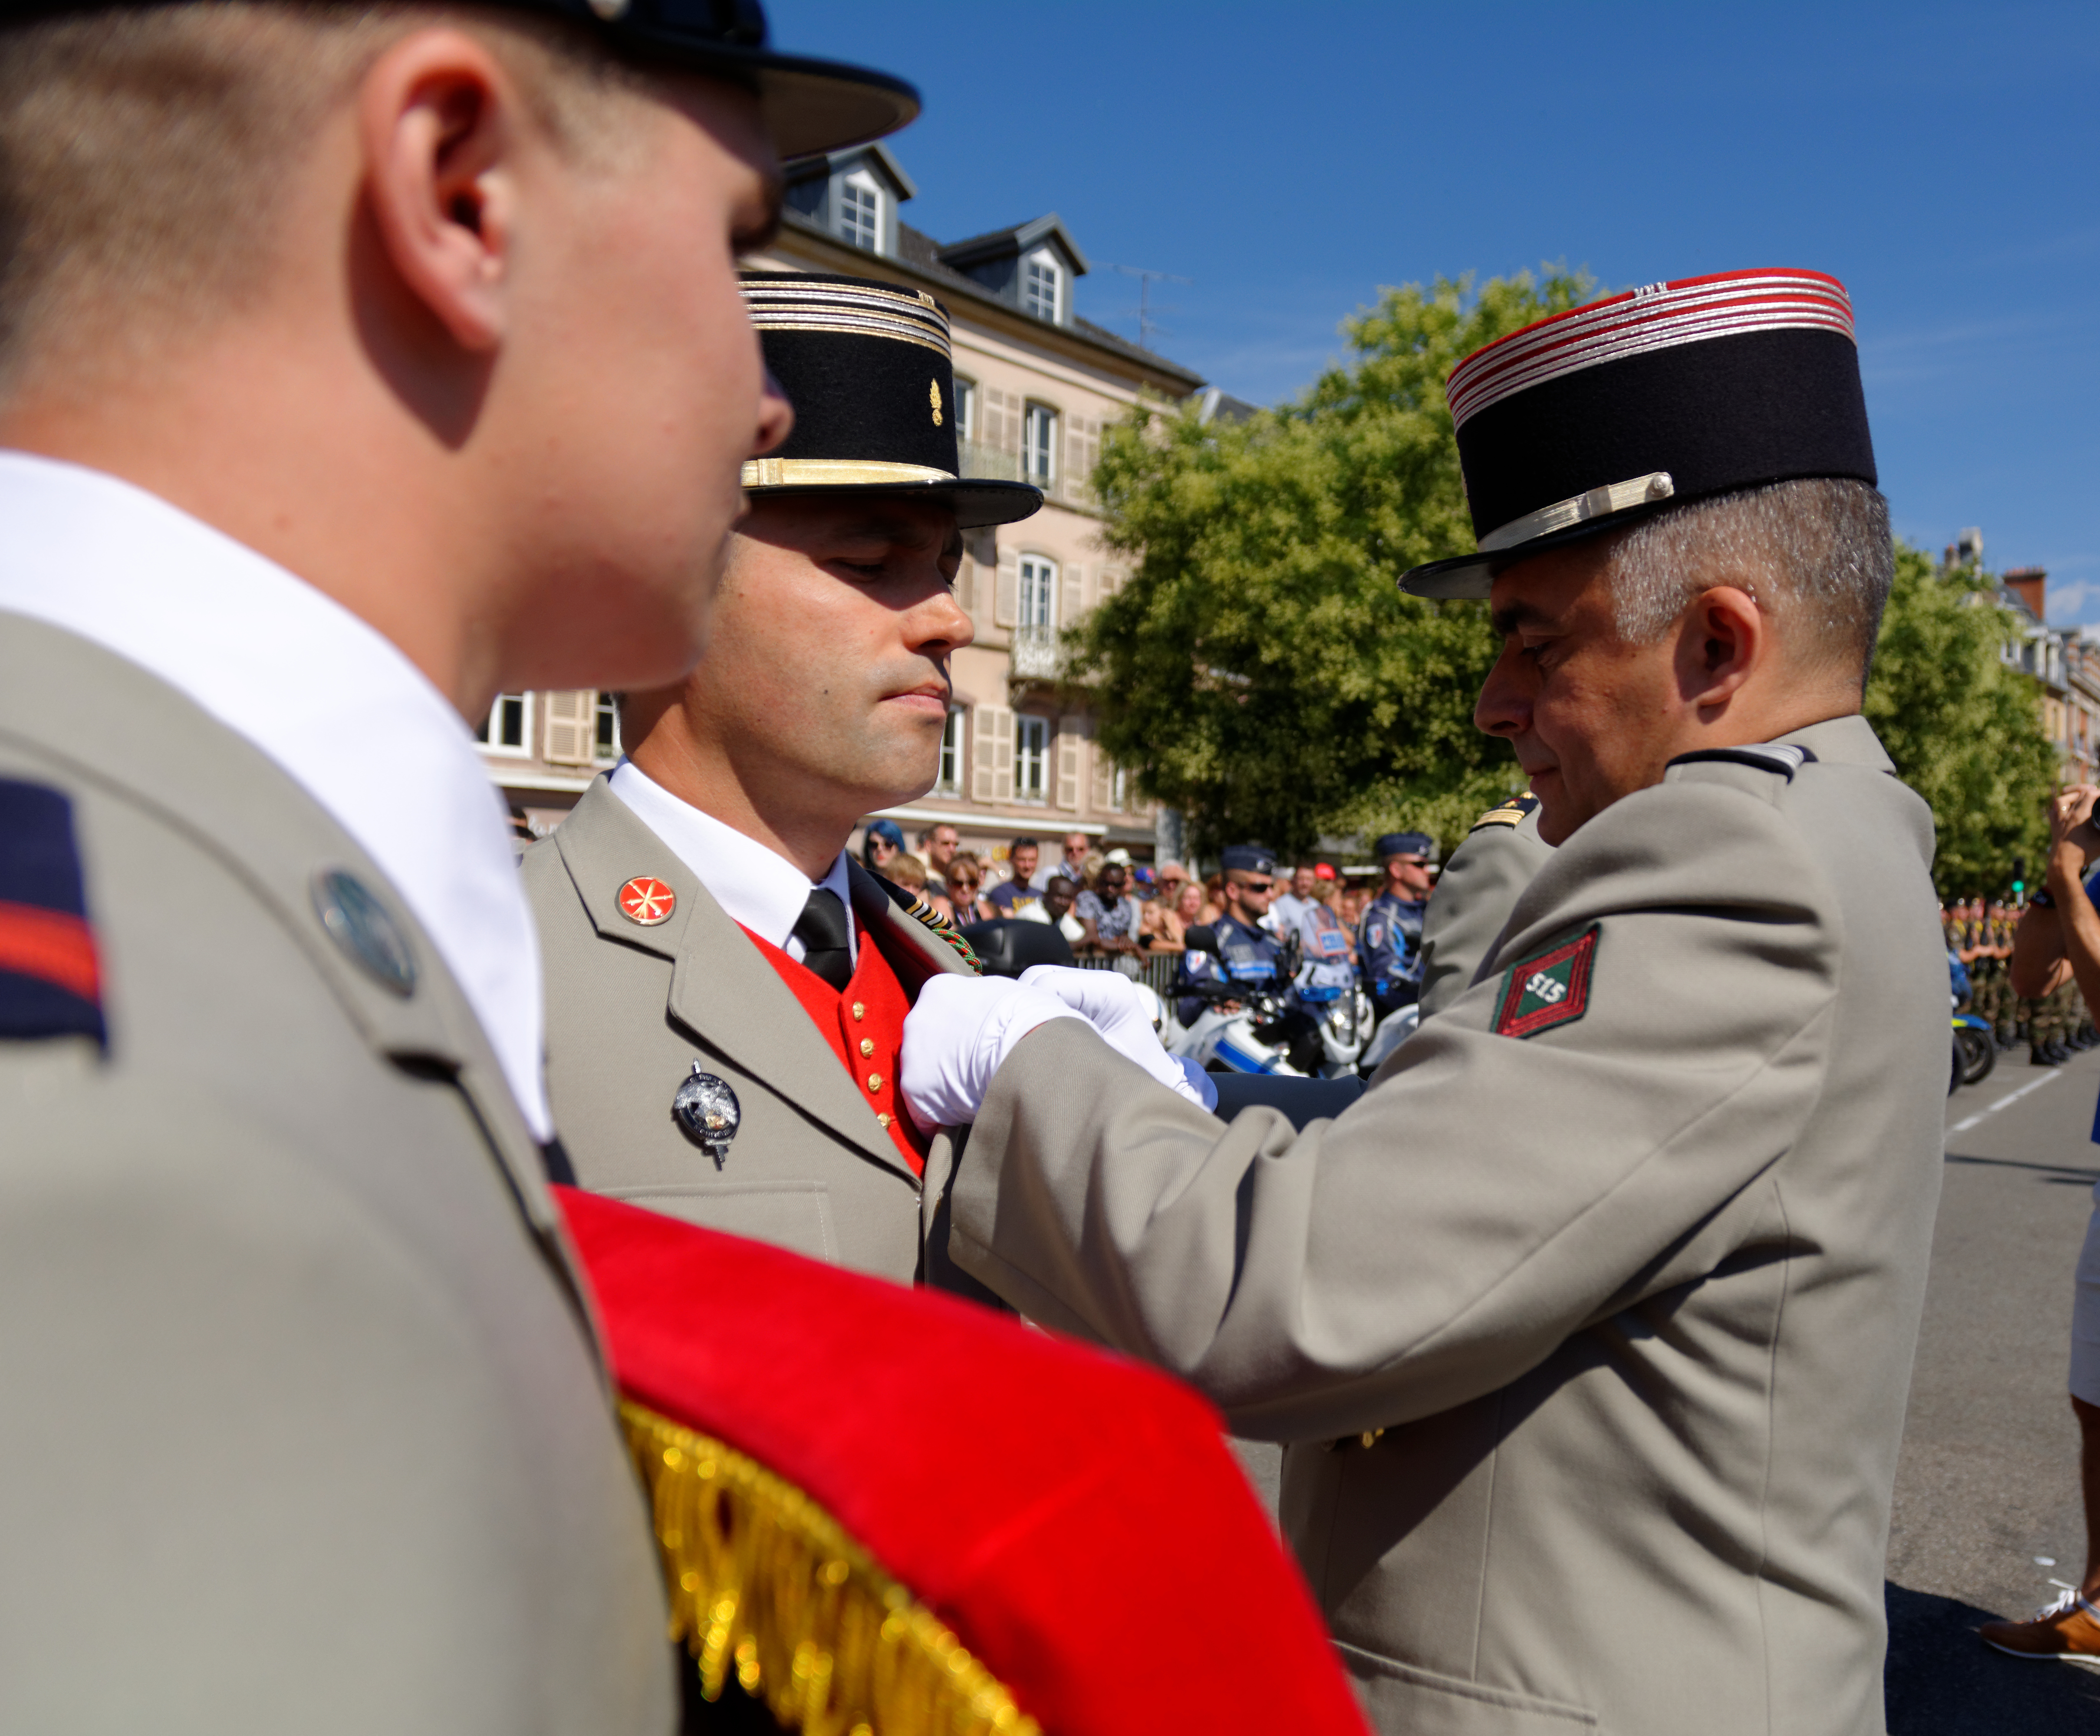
(363, 931)
(645, 901)
(707, 1110)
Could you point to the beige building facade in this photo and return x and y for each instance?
(2065, 667)
(1035, 385)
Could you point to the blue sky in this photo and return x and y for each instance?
(1291, 159)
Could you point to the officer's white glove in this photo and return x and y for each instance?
(1113, 1006)
(959, 1030)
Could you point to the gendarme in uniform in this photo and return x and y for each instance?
(1590, 1324)
(681, 955)
(1245, 953)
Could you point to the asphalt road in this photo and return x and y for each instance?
(1986, 1489)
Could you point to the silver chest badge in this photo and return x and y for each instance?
(707, 1109)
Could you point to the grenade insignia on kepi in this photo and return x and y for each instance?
(707, 1109)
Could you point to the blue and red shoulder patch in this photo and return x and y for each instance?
(1549, 988)
(50, 977)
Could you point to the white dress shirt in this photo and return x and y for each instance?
(333, 702)
(757, 886)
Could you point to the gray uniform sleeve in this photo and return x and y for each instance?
(257, 1477)
(1488, 1197)
(1475, 894)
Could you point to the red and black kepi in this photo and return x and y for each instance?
(51, 978)
(1668, 393)
(809, 105)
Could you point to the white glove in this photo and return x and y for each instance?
(954, 1038)
(1113, 1006)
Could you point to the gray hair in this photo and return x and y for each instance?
(1816, 553)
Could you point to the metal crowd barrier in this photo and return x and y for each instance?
(1155, 970)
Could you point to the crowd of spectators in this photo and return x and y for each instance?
(1109, 907)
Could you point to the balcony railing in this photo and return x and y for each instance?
(1037, 656)
(987, 463)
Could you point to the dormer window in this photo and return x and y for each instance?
(860, 211)
(1041, 285)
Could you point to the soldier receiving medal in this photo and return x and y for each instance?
(725, 989)
(1590, 1324)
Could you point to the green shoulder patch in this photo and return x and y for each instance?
(1512, 812)
(1549, 988)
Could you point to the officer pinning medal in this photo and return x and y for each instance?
(1588, 1325)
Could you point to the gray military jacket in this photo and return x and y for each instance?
(1594, 1341)
(1475, 894)
(304, 1426)
(630, 1009)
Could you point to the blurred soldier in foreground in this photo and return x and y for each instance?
(357, 364)
(711, 950)
(1590, 1323)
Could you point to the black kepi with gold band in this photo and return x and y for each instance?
(1672, 393)
(868, 367)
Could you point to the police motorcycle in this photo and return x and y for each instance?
(1975, 1043)
(1393, 1030)
(1270, 1012)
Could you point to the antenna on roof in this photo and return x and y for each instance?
(1146, 325)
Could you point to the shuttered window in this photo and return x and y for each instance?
(1105, 779)
(1007, 590)
(1002, 415)
(1082, 451)
(508, 728)
(571, 728)
(992, 765)
(1031, 759)
(1071, 752)
(1038, 601)
(952, 753)
(1038, 447)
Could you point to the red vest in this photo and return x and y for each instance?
(865, 1027)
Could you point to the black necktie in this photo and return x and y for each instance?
(822, 930)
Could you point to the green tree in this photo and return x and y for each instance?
(1963, 727)
(1259, 671)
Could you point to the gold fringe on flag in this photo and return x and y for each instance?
(766, 1586)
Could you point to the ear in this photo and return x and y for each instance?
(441, 124)
(1724, 639)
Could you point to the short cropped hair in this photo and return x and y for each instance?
(1815, 553)
(1023, 843)
(143, 150)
